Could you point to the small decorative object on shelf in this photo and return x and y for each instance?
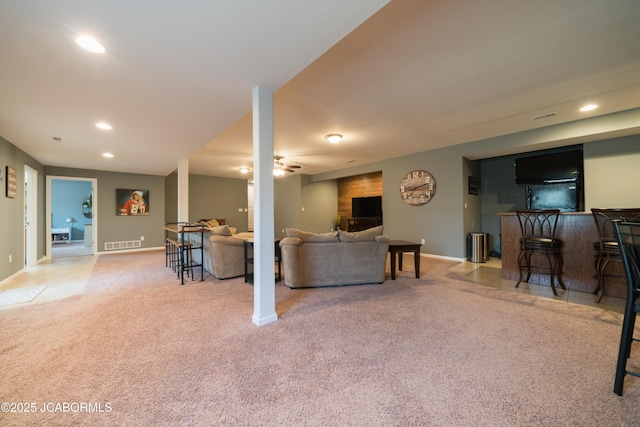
(336, 223)
(417, 187)
(87, 207)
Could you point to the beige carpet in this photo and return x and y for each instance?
(437, 351)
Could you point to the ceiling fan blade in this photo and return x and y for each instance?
(288, 170)
(293, 166)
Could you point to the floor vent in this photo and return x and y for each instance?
(112, 246)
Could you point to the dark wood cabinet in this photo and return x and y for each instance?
(359, 224)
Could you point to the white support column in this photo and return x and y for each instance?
(264, 289)
(183, 190)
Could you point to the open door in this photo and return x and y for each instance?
(30, 216)
(71, 216)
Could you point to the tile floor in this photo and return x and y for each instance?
(490, 274)
(68, 276)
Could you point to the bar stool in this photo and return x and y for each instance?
(606, 248)
(538, 230)
(628, 238)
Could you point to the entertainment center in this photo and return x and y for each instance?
(366, 211)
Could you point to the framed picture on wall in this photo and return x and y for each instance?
(12, 182)
(132, 202)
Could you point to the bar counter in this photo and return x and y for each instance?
(577, 231)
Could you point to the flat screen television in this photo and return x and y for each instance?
(366, 207)
(552, 168)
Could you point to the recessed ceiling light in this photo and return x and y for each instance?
(90, 44)
(104, 126)
(244, 170)
(107, 155)
(589, 107)
(334, 138)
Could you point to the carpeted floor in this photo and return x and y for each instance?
(438, 351)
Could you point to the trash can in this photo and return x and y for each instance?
(477, 247)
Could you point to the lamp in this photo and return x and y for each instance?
(244, 170)
(70, 219)
(334, 138)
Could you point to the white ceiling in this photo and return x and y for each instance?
(176, 79)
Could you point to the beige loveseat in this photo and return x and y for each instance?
(334, 259)
(223, 251)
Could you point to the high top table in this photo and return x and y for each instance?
(397, 248)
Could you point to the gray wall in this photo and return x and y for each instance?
(12, 210)
(304, 204)
(115, 228)
(210, 197)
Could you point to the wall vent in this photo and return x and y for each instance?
(113, 246)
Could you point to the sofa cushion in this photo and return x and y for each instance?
(308, 237)
(361, 236)
(222, 230)
(212, 223)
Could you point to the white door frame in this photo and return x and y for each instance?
(94, 210)
(30, 216)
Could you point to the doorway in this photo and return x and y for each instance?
(71, 216)
(30, 216)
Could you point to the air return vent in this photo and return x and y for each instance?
(131, 244)
(543, 116)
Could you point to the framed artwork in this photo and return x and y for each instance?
(12, 182)
(132, 202)
(474, 185)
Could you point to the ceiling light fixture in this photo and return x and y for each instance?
(589, 107)
(278, 172)
(244, 170)
(103, 126)
(90, 44)
(107, 155)
(334, 138)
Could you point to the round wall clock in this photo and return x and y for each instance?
(417, 187)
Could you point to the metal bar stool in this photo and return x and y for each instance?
(606, 248)
(628, 237)
(538, 241)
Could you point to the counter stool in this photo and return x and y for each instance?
(628, 238)
(538, 230)
(606, 248)
(180, 258)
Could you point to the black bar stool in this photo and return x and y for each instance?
(628, 237)
(538, 241)
(606, 248)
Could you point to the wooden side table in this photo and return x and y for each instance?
(248, 260)
(397, 248)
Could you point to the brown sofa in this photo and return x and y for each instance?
(335, 258)
(223, 251)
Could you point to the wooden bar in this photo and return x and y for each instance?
(577, 231)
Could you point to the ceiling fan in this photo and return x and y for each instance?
(279, 168)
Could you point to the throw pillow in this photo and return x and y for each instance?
(222, 230)
(213, 223)
(308, 237)
(361, 236)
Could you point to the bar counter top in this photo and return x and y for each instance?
(577, 231)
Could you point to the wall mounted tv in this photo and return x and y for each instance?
(565, 166)
(366, 207)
